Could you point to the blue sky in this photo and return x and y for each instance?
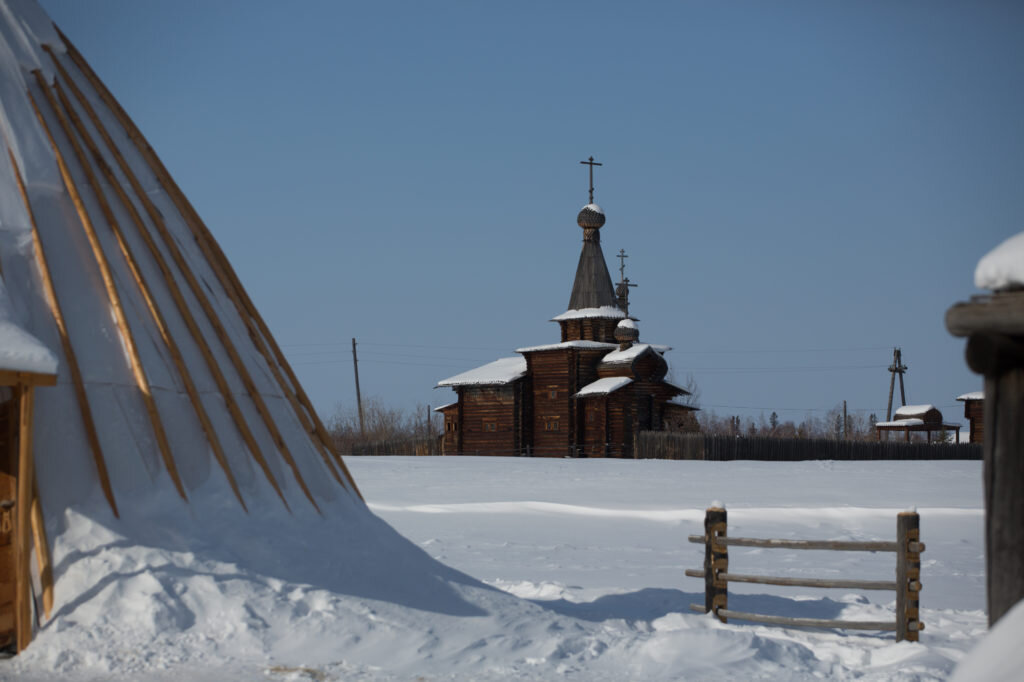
(799, 186)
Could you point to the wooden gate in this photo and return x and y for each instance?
(907, 585)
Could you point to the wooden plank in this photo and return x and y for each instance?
(838, 545)
(140, 281)
(91, 436)
(809, 582)
(107, 276)
(43, 559)
(229, 399)
(695, 573)
(22, 514)
(1001, 313)
(229, 280)
(886, 626)
(10, 377)
(1004, 478)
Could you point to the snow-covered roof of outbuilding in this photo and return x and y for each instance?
(568, 344)
(19, 350)
(442, 408)
(1003, 266)
(604, 386)
(973, 395)
(902, 422)
(503, 371)
(608, 311)
(913, 410)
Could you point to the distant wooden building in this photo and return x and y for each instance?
(917, 418)
(585, 396)
(974, 412)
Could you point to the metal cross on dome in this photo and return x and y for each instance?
(591, 163)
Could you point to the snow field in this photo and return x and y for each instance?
(582, 563)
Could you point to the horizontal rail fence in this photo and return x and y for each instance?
(907, 585)
(719, 448)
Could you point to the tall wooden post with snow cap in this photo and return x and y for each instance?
(994, 327)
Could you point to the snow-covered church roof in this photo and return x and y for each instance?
(497, 373)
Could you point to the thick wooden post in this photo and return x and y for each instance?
(908, 576)
(716, 560)
(22, 513)
(1004, 504)
(994, 327)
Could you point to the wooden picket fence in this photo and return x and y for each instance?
(908, 547)
(722, 448)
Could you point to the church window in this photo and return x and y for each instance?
(553, 394)
(550, 424)
(490, 426)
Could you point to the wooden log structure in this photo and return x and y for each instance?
(20, 512)
(994, 328)
(908, 547)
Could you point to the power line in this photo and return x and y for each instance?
(797, 368)
(677, 350)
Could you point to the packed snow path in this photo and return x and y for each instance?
(596, 547)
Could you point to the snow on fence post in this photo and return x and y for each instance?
(908, 576)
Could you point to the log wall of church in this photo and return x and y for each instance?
(489, 420)
(589, 329)
(554, 375)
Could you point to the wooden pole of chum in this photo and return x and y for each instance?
(126, 330)
(204, 348)
(134, 359)
(143, 285)
(50, 292)
(258, 330)
(43, 559)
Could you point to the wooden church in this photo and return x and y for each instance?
(585, 396)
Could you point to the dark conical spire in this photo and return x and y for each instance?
(592, 287)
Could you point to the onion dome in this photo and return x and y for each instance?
(590, 217)
(626, 331)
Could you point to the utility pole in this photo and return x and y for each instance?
(897, 367)
(359, 397)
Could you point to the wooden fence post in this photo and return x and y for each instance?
(908, 576)
(716, 560)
